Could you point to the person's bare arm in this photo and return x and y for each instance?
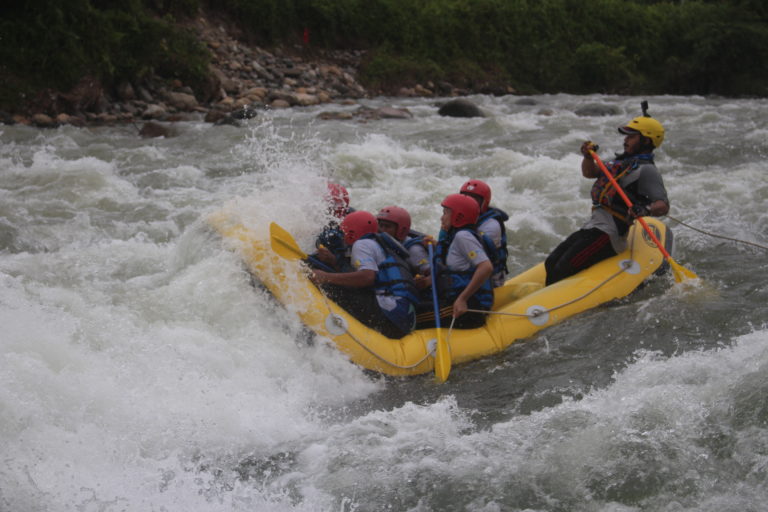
(589, 168)
(357, 279)
(482, 273)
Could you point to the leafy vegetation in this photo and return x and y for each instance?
(54, 43)
(580, 46)
(620, 46)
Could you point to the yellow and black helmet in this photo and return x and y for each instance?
(646, 126)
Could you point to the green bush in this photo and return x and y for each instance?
(691, 47)
(546, 45)
(385, 71)
(599, 68)
(54, 43)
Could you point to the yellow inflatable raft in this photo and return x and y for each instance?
(522, 306)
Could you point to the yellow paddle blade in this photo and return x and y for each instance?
(283, 243)
(442, 359)
(681, 273)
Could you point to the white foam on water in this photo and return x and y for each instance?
(140, 370)
(659, 435)
(117, 372)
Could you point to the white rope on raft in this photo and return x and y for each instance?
(535, 314)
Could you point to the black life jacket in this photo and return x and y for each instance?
(332, 238)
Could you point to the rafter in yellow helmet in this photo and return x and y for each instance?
(648, 127)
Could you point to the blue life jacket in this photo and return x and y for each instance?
(452, 282)
(394, 276)
(499, 254)
(416, 238)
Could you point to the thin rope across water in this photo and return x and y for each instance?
(714, 235)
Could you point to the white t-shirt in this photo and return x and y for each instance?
(492, 229)
(466, 252)
(367, 254)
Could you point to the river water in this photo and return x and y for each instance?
(140, 370)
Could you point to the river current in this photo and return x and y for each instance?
(140, 369)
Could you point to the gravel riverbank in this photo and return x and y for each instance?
(243, 80)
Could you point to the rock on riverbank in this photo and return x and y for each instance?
(243, 79)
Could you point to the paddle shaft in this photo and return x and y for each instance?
(434, 286)
(627, 201)
(442, 357)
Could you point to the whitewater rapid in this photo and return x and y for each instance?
(141, 369)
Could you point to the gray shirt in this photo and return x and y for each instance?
(465, 253)
(649, 185)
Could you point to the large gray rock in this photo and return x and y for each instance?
(182, 100)
(125, 91)
(152, 130)
(394, 113)
(43, 120)
(597, 110)
(154, 111)
(460, 107)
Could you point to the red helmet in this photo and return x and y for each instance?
(464, 209)
(480, 190)
(398, 216)
(338, 200)
(358, 224)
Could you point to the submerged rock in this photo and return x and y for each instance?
(596, 110)
(368, 114)
(460, 107)
(152, 129)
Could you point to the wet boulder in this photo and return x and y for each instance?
(460, 107)
(219, 118)
(182, 101)
(394, 113)
(597, 110)
(152, 129)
